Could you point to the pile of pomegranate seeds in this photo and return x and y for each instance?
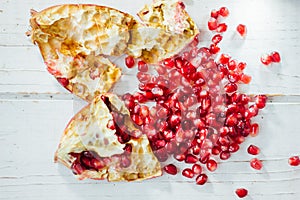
(241, 192)
(294, 161)
(267, 59)
(197, 115)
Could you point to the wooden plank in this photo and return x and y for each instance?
(30, 134)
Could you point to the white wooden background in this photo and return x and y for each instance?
(34, 109)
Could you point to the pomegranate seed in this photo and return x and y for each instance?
(63, 81)
(221, 28)
(266, 59)
(224, 59)
(225, 155)
(253, 150)
(169, 62)
(294, 161)
(191, 158)
(241, 192)
(211, 165)
(223, 11)
(232, 64)
(246, 79)
(242, 30)
(125, 161)
(216, 150)
(142, 66)
(212, 24)
(188, 173)
(201, 179)
(241, 66)
(275, 57)
(129, 61)
(256, 164)
(77, 168)
(197, 169)
(214, 49)
(181, 4)
(179, 157)
(234, 147)
(254, 129)
(230, 87)
(217, 38)
(214, 13)
(171, 169)
(260, 101)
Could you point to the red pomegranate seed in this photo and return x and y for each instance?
(253, 150)
(230, 87)
(188, 173)
(190, 158)
(225, 155)
(294, 161)
(234, 147)
(129, 61)
(223, 11)
(212, 24)
(142, 66)
(266, 59)
(169, 62)
(241, 192)
(241, 66)
(217, 38)
(63, 81)
(260, 101)
(216, 150)
(211, 165)
(246, 79)
(77, 168)
(214, 13)
(201, 179)
(214, 49)
(254, 129)
(179, 157)
(275, 57)
(197, 169)
(242, 30)
(256, 164)
(221, 28)
(224, 59)
(171, 169)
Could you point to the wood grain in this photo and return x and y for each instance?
(35, 109)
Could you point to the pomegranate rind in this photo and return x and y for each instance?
(87, 131)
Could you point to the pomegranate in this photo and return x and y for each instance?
(198, 115)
